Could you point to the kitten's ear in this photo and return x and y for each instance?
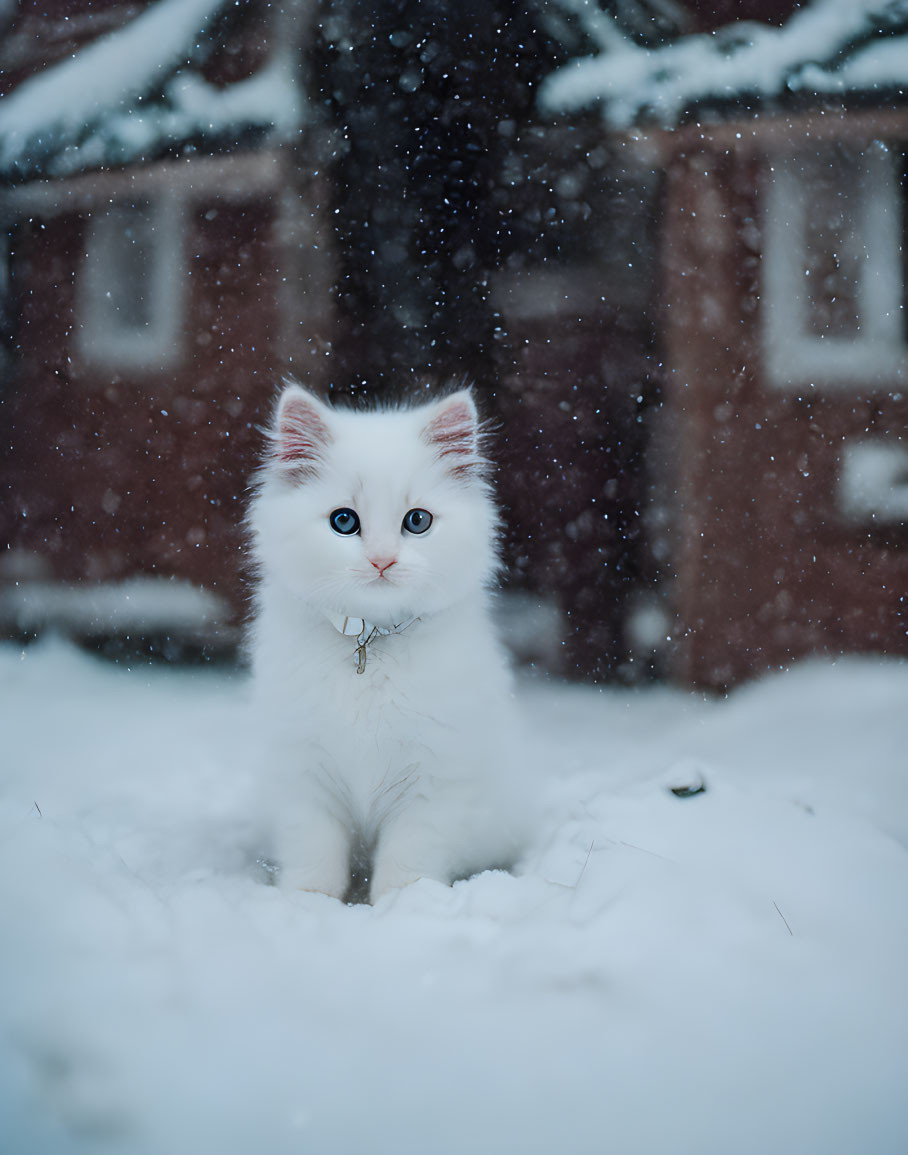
(300, 432)
(453, 432)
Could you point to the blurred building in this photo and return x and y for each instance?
(780, 453)
(702, 454)
(165, 193)
(152, 225)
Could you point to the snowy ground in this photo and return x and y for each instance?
(720, 973)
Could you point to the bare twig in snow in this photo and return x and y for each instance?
(783, 918)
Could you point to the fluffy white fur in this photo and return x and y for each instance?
(400, 771)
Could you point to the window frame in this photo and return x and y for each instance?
(103, 337)
(793, 355)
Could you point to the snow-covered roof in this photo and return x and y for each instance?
(829, 47)
(134, 93)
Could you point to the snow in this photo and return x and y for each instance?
(98, 105)
(873, 486)
(721, 972)
(813, 51)
(881, 64)
(132, 606)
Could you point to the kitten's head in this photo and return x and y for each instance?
(383, 515)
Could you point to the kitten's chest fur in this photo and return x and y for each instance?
(420, 700)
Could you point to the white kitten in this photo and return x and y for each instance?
(385, 698)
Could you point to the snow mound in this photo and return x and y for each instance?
(704, 952)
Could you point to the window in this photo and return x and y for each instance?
(129, 295)
(873, 483)
(833, 286)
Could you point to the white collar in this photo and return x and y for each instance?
(364, 632)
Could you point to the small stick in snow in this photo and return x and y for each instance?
(38, 808)
(783, 918)
(586, 863)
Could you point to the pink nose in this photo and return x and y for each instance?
(382, 563)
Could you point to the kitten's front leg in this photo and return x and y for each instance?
(411, 848)
(314, 854)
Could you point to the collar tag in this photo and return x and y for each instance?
(350, 627)
(364, 632)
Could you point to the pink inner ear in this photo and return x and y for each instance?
(301, 432)
(453, 429)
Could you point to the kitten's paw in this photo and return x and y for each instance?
(313, 882)
(382, 885)
(391, 876)
(406, 853)
(314, 855)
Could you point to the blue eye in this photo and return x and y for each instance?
(417, 521)
(344, 521)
